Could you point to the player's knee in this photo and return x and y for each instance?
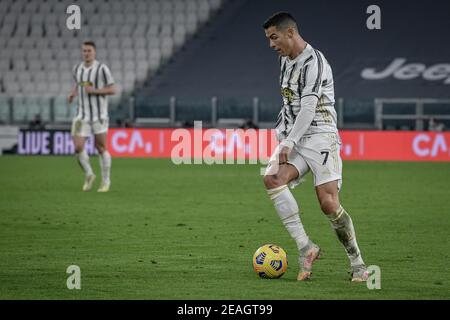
(273, 181)
(329, 205)
(100, 147)
(78, 149)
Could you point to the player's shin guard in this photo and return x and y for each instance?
(288, 211)
(83, 160)
(343, 225)
(105, 165)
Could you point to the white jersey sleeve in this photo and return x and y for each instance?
(106, 76)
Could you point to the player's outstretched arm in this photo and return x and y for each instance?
(72, 93)
(302, 122)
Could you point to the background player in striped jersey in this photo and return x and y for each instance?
(93, 83)
(309, 140)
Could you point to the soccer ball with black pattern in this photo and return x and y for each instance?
(270, 261)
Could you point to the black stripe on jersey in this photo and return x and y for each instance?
(302, 80)
(289, 84)
(319, 72)
(286, 121)
(279, 118)
(310, 94)
(76, 72)
(282, 72)
(82, 95)
(104, 77)
(75, 76)
(292, 72)
(308, 60)
(90, 96)
(96, 87)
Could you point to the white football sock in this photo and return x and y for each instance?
(343, 226)
(105, 165)
(83, 160)
(288, 211)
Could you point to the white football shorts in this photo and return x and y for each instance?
(82, 128)
(318, 153)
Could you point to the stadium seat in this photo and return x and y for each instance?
(7, 30)
(114, 54)
(113, 43)
(27, 88)
(66, 77)
(140, 29)
(9, 76)
(11, 88)
(31, 7)
(27, 43)
(57, 44)
(4, 65)
(166, 48)
(14, 42)
(53, 88)
(18, 54)
(141, 74)
(36, 30)
(128, 66)
(45, 9)
(41, 88)
(166, 31)
(40, 76)
(32, 54)
(20, 65)
(141, 54)
(24, 77)
(22, 30)
(139, 42)
(153, 29)
(34, 64)
(128, 54)
(38, 51)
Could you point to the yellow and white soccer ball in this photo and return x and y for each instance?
(270, 261)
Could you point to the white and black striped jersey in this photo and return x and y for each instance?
(92, 107)
(308, 74)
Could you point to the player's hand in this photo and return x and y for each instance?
(283, 155)
(90, 89)
(70, 97)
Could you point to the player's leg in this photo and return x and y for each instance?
(79, 140)
(105, 161)
(341, 222)
(288, 211)
(322, 154)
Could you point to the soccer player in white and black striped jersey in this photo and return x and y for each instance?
(309, 141)
(93, 83)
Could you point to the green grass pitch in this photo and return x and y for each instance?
(189, 231)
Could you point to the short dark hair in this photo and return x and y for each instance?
(281, 20)
(89, 43)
